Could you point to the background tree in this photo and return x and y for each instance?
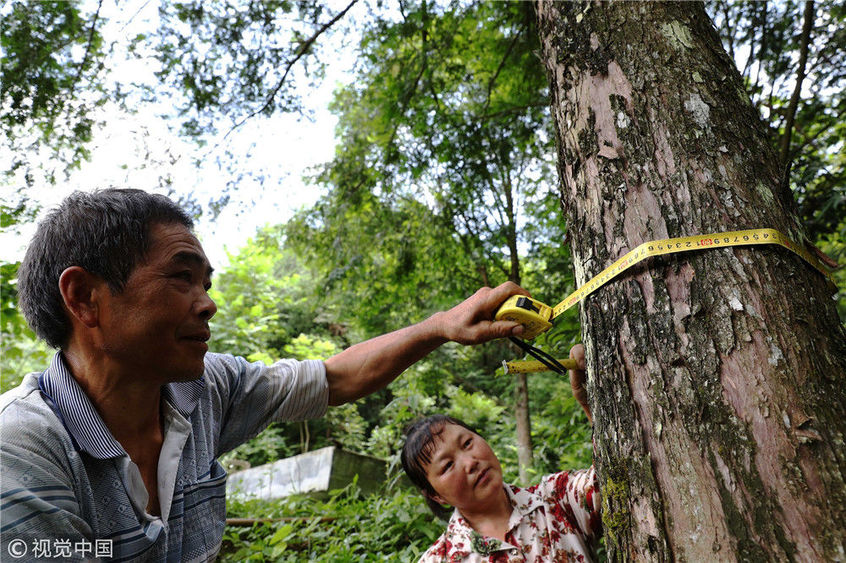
(50, 80)
(20, 351)
(443, 139)
(267, 312)
(787, 54)
(717, 388)
(50, 86)
(238, 60)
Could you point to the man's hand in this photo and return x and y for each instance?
(578, 379)
(471, 321)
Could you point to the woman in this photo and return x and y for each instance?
(556, 520)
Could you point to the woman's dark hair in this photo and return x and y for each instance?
(106, 232)
(417, 453)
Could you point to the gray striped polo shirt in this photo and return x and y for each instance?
(68, 490)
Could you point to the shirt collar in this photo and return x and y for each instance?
(81, 419)
(184, 395)
(523, 501)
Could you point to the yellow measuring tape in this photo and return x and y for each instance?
(537, 317)
(529, 366)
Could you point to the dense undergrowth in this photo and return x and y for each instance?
(344, 526)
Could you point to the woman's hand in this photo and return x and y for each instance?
(578, 379)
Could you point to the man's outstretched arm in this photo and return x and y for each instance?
(371, 365)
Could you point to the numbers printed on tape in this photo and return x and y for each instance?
(537, 317)
(683, 244)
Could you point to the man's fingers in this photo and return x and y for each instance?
(505, 290)
(472, 322)
(494, 297)
(490, 330)
(507, 328)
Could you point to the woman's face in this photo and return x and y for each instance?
(464, 471)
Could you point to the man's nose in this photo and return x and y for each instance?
(206, 307)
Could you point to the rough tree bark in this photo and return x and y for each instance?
(716, 377)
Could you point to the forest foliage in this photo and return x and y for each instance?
(443, 180)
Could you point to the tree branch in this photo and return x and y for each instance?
(304, 47)
(135, 15)
(810, 140)
(805, 40)
(91, 31)
(499, 68)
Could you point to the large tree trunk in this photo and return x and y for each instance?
(716, 377)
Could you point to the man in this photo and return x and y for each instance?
(111, 452)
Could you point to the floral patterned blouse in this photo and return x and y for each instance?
(556, 520)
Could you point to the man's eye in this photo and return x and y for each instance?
(467, 442)
(446, 466)
(186, 276)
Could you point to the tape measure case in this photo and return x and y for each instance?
(532, 314)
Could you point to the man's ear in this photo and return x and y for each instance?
(80, 291)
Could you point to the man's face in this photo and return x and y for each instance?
(158, 325)
(464, 470)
